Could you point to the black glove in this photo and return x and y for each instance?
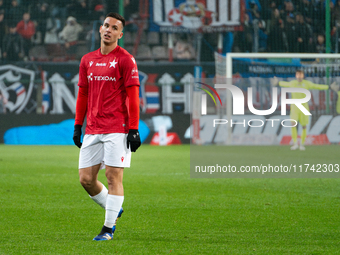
(133, 140)
(77, 135)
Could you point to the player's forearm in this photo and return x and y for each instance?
(319, 87)
(81, 106)
(133, 94)
(311, 85)
(285, 84)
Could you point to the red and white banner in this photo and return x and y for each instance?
(205, 16)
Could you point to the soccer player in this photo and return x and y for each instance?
(336, 88)
(109, 97)
(295, 112)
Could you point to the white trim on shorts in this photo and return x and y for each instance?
(109, 149)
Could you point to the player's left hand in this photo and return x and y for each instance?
(335, 87)
(133, 140)
(77, 135)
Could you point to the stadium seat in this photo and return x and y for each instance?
(55, 50)
(165, 39)
(153, 38)
(81, 51)
(159, 52)
(129, 38)
(38, 53)
(129, 48)
(143, 52)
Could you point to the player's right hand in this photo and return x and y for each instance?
(274, 81)
(77, 135)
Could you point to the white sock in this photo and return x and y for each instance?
(100, 198)
(113, 205)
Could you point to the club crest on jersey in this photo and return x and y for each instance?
(122, 158)
(113, 64)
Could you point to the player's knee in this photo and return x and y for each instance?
(86, 181)
(114, 176)
(111, 177)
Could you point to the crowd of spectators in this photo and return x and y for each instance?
(269, 26)
(26, 23)
(287, 26)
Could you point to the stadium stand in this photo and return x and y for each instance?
(269, 26)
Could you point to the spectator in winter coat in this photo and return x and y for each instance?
(304, 35)
(70, 34)
(12, 45)
(26, 29)
(2, 30)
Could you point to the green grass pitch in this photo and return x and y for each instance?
(44, 210)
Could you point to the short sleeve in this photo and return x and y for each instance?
(130, 72)
(82, 74)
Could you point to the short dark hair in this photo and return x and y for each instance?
(116, 16)
(300, 71)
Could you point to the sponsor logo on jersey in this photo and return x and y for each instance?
(101, 64)
(100, 78)
(133, 60)
(104, 78)
(134, 71)
(89, 77)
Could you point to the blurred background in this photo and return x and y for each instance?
(62, 30)
(42, 42)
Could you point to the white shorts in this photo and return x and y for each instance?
(107, 149)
